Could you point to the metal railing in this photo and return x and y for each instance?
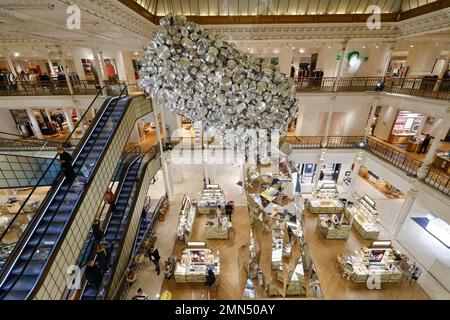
(438, 180)
(344, 142)
(53, 87)
(395, 157)
(306, 142)
(47, 173)
(422, 87)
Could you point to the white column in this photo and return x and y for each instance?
(341, 62)
(421, 125)
(354, 175)
(388, 58)
(47, 112)
(163, 162)
(286, 60)
(327, 126)
(441, 132)
(99, 68)
(319, 169)
(298, 125)
(169, 170)
(52, 71)
(34, 124)
(66, 75)
(442, 73)
(102, 65)
(69, 121)
(11, 66)
(81, 122)
(411, 196)
(77, 55)
(371, 115)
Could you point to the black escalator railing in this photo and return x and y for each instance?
(45, 176)
(89, 247)
(119, 221)
(23, 273)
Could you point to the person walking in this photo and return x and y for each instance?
(66, 164)
(93, 274)
(425, 143)
(110, 198)
(153, 255)
(102, 258)
(229, 210)
(97, 230)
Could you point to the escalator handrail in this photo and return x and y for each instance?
(149, 156)
(127, 152)
(102, 209)
(5, 231)
(94, 256)
(53, 194)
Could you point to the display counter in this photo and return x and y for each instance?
(217, 228)
(194, 264)
(186, 219)
(333, 228)
(372, 262)
(403, 138)
(363, 218)
(212, 197)
(326, 191)
(325, 206)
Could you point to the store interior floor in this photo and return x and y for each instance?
(323, 252)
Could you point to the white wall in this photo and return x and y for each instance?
(7, 123)
(385, 121)
(357, 109)
(326, 60)
(422, 57)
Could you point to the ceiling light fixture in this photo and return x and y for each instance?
(293, 48)
(16, 54)
(302, 50)
(411, 46)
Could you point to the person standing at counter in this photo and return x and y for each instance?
(425, 143)
(154, 256)
(210, 278)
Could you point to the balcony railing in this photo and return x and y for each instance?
(55, 87)
(421, 87)
(395, 157)
(438, 180)
(315, 142)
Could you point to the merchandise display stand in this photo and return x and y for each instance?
(217, 228)
(376, 261)
(194, 263)
(186, 219)
(325, 206)
(212, 197)
(333, 228)
(364, 218)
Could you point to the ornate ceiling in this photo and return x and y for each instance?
(275, 7)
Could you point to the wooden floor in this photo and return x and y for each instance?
(323, 252)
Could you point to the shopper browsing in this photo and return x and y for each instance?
(229, 210)
(154, 256)
(66, 164)
(210, 278)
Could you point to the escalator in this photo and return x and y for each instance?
(31, 256)
(117, 228)
(116, 225)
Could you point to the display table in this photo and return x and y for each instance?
(325, 206)
(367, 228)
(373, 263)
(412, 146)
(186, 219)
(194, 264)
(212, 197)
(217, 228)
(400, 138)
(331, 230)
